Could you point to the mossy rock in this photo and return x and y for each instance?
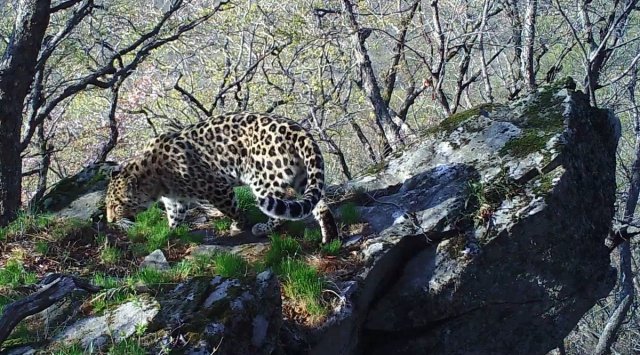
(92, 178)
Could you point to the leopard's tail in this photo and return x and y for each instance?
(300, 208)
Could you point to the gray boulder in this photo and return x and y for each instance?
(489, 233)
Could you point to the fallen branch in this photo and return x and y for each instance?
(53, 288)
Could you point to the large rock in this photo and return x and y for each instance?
(80, 195)
(221, 315)
(489, 233)
(114, 326)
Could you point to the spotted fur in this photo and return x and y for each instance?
(269, 153)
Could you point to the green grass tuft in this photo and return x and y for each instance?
(13, 275)
(73, 349)
(105, 281)
(331, 248)
(349, 213)
(67, 226)
(245, 197)
(222, 224)
(230, 265)
(303, 285)
(4, 301)
(281, 247)
(42, 247)
(151, 277)
(312, 236)
(152, 228)
(24, 223)
(127, 347)
(109, 255)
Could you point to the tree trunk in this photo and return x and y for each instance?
(626, 294)
(529, 36)
(389, 130)
(17, 70)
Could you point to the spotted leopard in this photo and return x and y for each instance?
(205, 161)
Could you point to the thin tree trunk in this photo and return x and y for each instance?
(485, 75)
(17, 70)
(113, 125)
(390, 135)
(45, 155)
(529, 37)
(626, 295)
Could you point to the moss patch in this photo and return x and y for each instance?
(530, 141)
(454, 121)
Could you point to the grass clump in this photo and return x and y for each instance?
(230, 265)
(312, 236)
(151, 277)
(25, 223)
(247, 203)
(303, 285)
(199, 265)
(152, 228)
(109, 255)
(281, 248)
(127, 347)
(42, 247)
(349, 213)
(68, 226)
(245, 197)
(222, 224)
(331, 248)
(13, 274)
(72, 349)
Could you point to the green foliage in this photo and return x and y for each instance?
(105, 281)
(245, 197)
(109, 255)
(303, 285)
(349, 213)
(230, 265)
(72, 349)
(312, 236)
(42, 247)
(13, 274)
(281, 248)
(152, 228)
(150, 277)
(247, 203)
(222, 224)
(111, 297)
(4, 301)
(454, 121)
(331, 248)
(67, 226)
(200, 264)
(127, 347)
(25, 223)
(530, 141)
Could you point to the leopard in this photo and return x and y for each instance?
(205, 161)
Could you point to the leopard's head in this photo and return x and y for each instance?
(124, 200)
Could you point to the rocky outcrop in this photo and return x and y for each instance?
(489, 232)
(485, 235)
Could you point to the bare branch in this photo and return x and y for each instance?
(189, 96)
